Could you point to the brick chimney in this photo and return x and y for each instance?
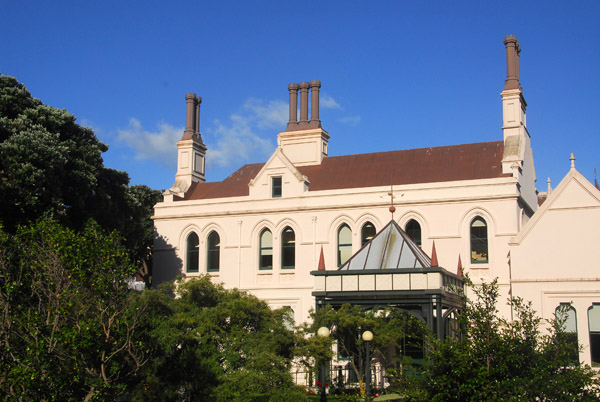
(191, 150)
(304, 123)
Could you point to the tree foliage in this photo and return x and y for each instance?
(213, 344)
(66, 330)
(501, 360)
(394, 331)
(51, 167)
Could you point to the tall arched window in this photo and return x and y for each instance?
(367, 233)
(288, 248)
(594, 327)
(344, 244)
(413, 230)
(213, 250)
(266, 250)
(569, 314)
(479, 241)
(192, 255)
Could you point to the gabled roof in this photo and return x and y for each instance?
(425, 165)
(573, 192)
(391, 248)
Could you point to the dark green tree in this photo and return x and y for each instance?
(394, 331)
(213, 344)
(501, 360)
(66, 330)
(51, 167)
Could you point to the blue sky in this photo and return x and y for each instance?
(394, 74)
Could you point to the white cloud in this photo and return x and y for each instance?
(159, 146)
(237, 143)
(273, 114)
(350, 120)
(327, 102)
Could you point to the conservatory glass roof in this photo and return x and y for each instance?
(391, 248)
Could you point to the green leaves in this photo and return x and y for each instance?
(66, 328)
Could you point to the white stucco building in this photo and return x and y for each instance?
(263, 229)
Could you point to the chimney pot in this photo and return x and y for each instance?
(304, 102)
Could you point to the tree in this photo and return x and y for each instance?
(51, 167)
(394, 331)
(213, 344)
(66, 330)
(496, 359)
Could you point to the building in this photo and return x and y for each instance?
(265, 227)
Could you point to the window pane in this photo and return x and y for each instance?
(479, 241)
(288, 248)
(213, 252)
(570, 340)
(413, 230)
(276, 187)
(367, 233)
(266, 250)
(344, 244)
(192, 253)
(594, 325)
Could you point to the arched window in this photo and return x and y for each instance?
(213, 249)
(344, 244)
(569, 314)
(367, 233)
(288, 248)
(594, 326)
(413, 230)
(479, 241)
(191, 260)
(266, 250)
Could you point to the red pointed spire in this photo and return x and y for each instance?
(321, 261)
(434, 261)
(459, 270)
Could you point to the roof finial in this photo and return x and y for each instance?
(549, 186)
(321, 261)
(572, 158)
(434, 259)
(392, 207)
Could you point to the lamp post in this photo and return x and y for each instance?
(323, 332)
(367, 336)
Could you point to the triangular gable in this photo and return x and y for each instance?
(278, 164)
(391, 248)
(279, 161)
(574, 191)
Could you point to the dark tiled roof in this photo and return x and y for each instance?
(235, 185)
(425, 165)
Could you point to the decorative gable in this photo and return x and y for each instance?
(278, 178)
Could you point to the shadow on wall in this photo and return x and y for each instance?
(166, 265)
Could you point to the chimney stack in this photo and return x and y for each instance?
(192, 121)
(512, 62)
(304, 124)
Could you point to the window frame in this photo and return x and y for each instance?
(192, 256)
(364, 239)
(276, 187)
(345, 245)
(596, 334)
(286, 247)
(411, 230)
(484, 240)
(262, 249)
(210, 252)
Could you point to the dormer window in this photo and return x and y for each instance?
(276, 187)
